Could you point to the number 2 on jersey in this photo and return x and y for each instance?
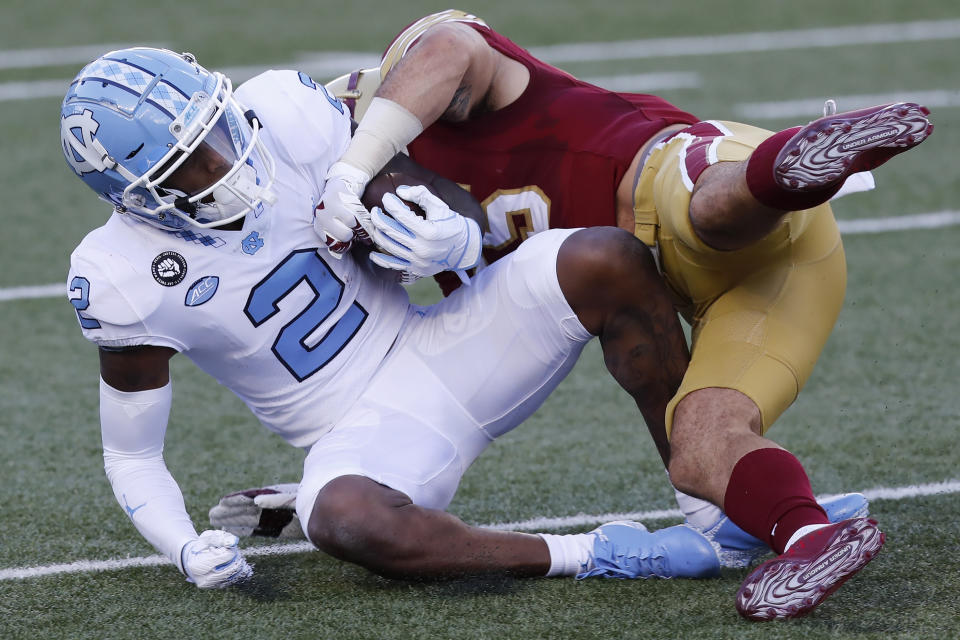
(290, 346)
(81, 286)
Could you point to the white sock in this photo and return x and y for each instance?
(570, 554)
(802, 531)
(699, 513)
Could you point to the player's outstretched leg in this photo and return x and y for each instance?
(828, 150)
(735, 204)
(360, 521)
(803, 167)
(815, 566)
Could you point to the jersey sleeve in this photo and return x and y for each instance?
(111, 303)
(308, 126)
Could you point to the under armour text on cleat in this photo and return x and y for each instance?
(738, 549)
(794, 583)
(628, 550)
(831, 148)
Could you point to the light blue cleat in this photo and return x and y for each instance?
(738, 549)
(628, 550)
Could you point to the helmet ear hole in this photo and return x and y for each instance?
(134, 152)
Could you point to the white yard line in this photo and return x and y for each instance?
(28, 90)
(535, 524)
(934, 220)
(341, 61)
(880, 493)
(900, 223)
(55, 56)
(853, 35)
(325, 65)
(812, 108)
(40, 291)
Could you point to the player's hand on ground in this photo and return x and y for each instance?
(265, 511)
(340, 218)
(418, 247)
(213, 561)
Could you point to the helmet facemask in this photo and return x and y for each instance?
(218, 123)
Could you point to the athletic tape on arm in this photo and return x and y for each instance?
(386, 129)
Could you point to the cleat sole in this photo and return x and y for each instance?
(778, 589)
(828, 149)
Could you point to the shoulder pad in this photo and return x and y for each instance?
(356, 89)
(307, 125)
(106, 290)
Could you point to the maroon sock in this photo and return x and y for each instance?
(769, 497)
(765, 188)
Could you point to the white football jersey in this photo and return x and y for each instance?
(295, 334)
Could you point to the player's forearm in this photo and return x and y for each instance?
(133, 425)
(152, 500)
(446, 73)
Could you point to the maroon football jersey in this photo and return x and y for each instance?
(551, 159)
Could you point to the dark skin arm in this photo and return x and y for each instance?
(136, 368)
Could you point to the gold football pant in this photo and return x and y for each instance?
(760, 315)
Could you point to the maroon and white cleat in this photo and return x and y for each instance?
(794, 583)
(831, 148)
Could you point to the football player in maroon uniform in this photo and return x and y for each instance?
(745, 237)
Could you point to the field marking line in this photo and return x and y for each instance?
(933, 220)
(56, 56)
(811, 108)
(880, 493)
(813, 38)
(329, 64)
(38, 291)
(28, 90)
(534, 524)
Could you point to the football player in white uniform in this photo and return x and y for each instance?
(211, 252)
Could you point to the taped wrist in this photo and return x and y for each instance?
(386, 129)
(132, 426)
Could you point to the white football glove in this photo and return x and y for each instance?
(341, 217)
(444, 241)
(267, 511)
(213, 561)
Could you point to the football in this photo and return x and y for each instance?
(387, 183)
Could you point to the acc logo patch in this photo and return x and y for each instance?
(201, 291)
(169, 268)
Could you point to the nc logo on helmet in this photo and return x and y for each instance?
(79, 147)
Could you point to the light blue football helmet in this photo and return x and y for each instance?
(132, 117)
